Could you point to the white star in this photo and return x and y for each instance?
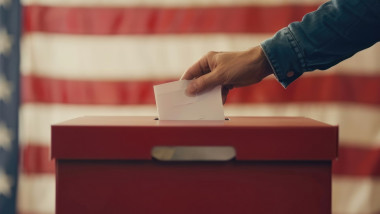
(6, 183)
(5, 89)
(5, 2)
(5, 41)
(5, 137)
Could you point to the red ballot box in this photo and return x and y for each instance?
(245, 165)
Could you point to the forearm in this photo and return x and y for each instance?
(336, 31)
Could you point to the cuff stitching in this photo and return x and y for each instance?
(297, 49)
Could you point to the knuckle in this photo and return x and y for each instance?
(211, 53)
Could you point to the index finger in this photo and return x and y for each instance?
(197, 69)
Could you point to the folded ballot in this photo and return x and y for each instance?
(173, 103)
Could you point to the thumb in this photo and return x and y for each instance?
(202, 84)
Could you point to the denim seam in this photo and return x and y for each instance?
(297, 48)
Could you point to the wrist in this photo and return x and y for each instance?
(261, 63)
(267, 67)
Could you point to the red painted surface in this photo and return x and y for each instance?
(254, 138)
(283, 165)
(188, 188)
(353, 161)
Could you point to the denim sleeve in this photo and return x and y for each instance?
(325, 37)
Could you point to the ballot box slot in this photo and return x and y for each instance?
(193, 153)
(156, 118)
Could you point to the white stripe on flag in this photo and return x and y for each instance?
(355, 195)
(168, 3)
(36, 194)
(358, 124)
(36, 119)
(145, 57)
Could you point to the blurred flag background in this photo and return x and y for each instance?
(102, 57)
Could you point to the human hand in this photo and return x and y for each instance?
(229, 69)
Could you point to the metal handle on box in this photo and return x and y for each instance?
(193, 153)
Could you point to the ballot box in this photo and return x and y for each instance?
(244, 165)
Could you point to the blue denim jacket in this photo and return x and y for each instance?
(334, 32)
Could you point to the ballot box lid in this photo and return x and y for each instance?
(253, 138)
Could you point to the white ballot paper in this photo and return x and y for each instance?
(173, 103)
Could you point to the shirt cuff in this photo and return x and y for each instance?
(285, 56)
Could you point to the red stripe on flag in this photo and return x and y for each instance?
(327, 88)
(324, 88)
(357, 161)
(36, 159)
(147, 20)
(48, 90)
(352, 161)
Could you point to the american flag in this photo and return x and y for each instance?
(102, 57)
(9, 103)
